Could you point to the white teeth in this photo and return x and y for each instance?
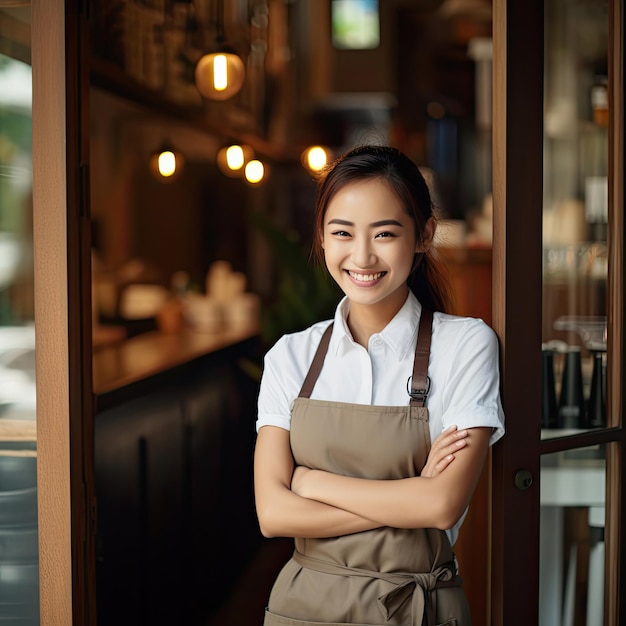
(365, 277)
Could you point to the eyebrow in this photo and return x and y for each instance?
(373, 224)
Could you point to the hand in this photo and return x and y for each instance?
(297, 480)
(442, 451)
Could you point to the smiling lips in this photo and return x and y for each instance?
(365, 278)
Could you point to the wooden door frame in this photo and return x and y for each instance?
(81, 415)
(51, 312)
(615, 581)
(63, 323)
(517, 197)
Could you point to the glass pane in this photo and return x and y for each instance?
(19, 560)
(575, 215)
(571, 540)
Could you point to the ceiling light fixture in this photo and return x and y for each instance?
(254, 171)
(315, 158)
(220, 73)
(166, 163)
(232, 158)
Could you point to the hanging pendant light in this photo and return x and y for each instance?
(315, 158)
(232, 158)
(220, 73)
(254, 172)
(166, 163)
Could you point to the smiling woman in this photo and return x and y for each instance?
(348, 409)
(369, 244)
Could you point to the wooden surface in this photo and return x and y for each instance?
(469, 272)
(145, 355)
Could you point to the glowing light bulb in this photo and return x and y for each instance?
(254, 171)
(219, 75)
(316, 158)
(220, 72)
(167, 163)
(234, 157)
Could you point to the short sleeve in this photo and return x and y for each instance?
(274, 403)
(472, 392)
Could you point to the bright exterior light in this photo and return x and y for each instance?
(254, 171)
(220, 75)
(234, 157)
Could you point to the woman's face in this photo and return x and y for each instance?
(369, 243)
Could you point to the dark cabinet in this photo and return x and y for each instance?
(173, 471)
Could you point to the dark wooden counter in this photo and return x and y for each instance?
(128, 368)
(174, 443)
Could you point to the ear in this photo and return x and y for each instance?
(426, 240)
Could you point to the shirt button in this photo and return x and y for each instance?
(378, 342)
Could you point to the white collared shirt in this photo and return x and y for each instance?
(463, 369)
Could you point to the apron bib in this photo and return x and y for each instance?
(386, 576)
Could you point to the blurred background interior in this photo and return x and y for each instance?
(208, 122)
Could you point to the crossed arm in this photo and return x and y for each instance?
(300, 502)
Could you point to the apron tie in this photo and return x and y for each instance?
(418, 586)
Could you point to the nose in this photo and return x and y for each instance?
(363, 253)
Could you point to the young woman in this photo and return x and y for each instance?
(348, 409)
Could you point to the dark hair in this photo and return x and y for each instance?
(427, 280)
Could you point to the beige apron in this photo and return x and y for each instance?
(385, 576)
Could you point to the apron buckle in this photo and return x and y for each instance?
(418, 395)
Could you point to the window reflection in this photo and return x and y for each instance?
(19, 560)
(575, 212)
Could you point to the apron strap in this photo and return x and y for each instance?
(418, 386)
(316, 365)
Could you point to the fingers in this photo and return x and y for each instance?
(443, 450)
(449, 441)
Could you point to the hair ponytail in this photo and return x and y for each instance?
(431, 285)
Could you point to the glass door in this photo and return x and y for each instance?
(575, 332)
(558, 294)
(19, 558)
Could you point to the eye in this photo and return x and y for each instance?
(340, 233)
(385, 234)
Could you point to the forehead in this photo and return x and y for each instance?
(365, 197)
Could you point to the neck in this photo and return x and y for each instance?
(364, 320)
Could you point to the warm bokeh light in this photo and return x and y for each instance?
(167, 163)
(316, 158)
(234, 157)
(254, 171)
(220, 75)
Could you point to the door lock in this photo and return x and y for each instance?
(523, 479)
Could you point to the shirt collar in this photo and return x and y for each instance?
(400, 334)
